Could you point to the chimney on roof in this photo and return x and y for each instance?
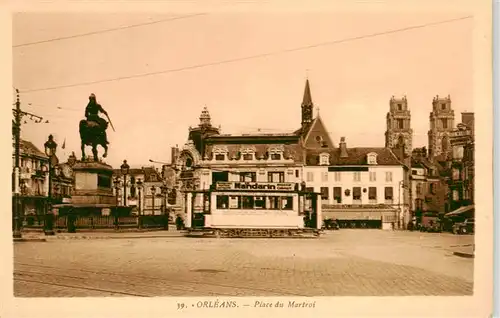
(343, 148)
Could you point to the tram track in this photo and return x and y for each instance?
(112, 292)
(165, 284)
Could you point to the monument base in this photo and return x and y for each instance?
(93, 183)
(92, 193)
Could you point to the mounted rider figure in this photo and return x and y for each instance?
(92, 114)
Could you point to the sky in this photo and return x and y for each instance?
(243, 66)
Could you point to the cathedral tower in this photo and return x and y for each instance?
(442, 121)
(398, 135)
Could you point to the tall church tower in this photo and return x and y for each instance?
(398, 135)
(307, 106)
(442, 121)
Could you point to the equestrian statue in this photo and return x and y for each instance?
(93, 128)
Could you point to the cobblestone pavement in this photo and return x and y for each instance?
(345, 262)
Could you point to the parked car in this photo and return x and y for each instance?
(465, 227)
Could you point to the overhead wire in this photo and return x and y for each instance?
(108, 30)
(256, 56)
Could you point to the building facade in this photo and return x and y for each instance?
(138, 193)
(356, 184)
(360, 187)
(34, 180)
(461, 179)
(429, 190)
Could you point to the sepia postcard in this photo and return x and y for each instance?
(310, 158)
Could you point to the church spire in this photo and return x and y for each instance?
(307, 100)
(307, 105)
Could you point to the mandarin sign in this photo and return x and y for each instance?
(259, 186)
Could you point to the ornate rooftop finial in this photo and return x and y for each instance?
(205, 119)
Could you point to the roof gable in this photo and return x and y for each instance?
(27, 148)
(317, 135)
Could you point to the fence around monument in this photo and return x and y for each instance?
(35, 222)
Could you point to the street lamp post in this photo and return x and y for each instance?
(164, 191)
(153, 193)
(400, 185)
(50, 151)
(125, 170)
(139, 188)
(117, 188)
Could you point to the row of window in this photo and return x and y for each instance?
(356, 193)
(239, 202)
(420, 188)
(248, 156)
(356, 176)
(31, 163)
(272, 176)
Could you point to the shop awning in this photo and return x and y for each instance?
(461, 210)
(358, 214)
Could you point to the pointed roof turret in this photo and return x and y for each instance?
(307, 100)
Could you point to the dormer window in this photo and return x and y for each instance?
(219, 153)
(276, 152)
(248, 154)
(371, 158)
(324, 159)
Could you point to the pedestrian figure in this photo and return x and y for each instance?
(179, 222)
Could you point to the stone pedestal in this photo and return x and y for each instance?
(93, 184)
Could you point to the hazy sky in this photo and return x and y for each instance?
(351, 82)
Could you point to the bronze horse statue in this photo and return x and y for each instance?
(93, 129)
(92, 134)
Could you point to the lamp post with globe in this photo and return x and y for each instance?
(125, 170)
(50, 150)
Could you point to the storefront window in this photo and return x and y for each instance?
(222, 202)
(287, 203)
(260, 203)
(273, 203)
(247, 202)
(234, 202)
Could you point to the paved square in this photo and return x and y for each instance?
(345, 262)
